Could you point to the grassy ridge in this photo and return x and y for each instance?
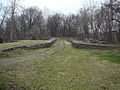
(20, 43)
(69, 69)
(23, 54)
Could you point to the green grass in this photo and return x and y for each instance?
(110, 55)
(112, 58)
(69, 69)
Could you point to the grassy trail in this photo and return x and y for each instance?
(32, 54)
(69, 69)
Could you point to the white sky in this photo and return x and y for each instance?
(63, 6)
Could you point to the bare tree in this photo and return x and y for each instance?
(31, 24)
(53, 24)
(13, 9)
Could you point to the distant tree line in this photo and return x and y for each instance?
(18, 23)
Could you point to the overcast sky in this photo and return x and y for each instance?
(63, 6)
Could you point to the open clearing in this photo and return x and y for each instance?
(68, 69)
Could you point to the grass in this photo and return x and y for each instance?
(20, 43)
(112, 58)
(20, 54)
(69, 69)
(110, 55)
